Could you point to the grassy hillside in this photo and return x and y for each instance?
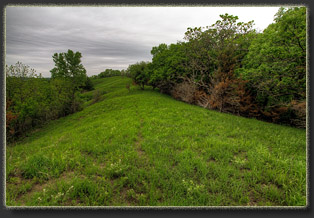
(145, 148)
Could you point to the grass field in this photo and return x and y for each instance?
(143, 148)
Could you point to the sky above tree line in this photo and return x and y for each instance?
(108, 37)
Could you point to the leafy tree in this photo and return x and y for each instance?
(88, 84)
(124, 73)
(139, 73)
(68, 65)
(230, 67)
(168, 66)
(109, 73)
(32, 100)
(26, 98)
(276, 62)
(20, 70)
(217, 50)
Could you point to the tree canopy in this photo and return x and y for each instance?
(276, 62)
(231, 67)
(68, 65)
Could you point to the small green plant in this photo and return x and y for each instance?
(131, 194)
(192, 189)
(116, 169)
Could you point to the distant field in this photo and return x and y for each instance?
(144, 148)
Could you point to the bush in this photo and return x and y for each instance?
(139, 73)
(89, 86)
(299, 108)
(184, 91)
(292, 114)
(202, 98)
(231, 95)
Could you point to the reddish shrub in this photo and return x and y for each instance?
(299, 108)
(230, 95)
(202, 98)
(292, 114)
(11, 120)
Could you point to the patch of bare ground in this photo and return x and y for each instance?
(124, 196)
(138, 143)
(244, 170)
(211, 160)
(138, 146)
(272, 186)
(175, 164)
(252, 199)
(241, 154)
(101, 165)
(232, 136)
(70, 202)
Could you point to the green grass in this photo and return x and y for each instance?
(144, 148)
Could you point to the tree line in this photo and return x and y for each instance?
(230, 67)
(32, 100)
(227, 66)
(110, 73)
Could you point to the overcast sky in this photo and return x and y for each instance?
(108, 37)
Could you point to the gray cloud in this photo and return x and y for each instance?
(107, 37)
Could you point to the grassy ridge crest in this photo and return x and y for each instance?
(135, 148)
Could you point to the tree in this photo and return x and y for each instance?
(213, 53)
(31, 100)
(27, 99)
(217, 50)
(88, 84)
(167, 67)
(276, 62)
(139, 73)
(109, 73)
(68, 65)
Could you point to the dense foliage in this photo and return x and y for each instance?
(275, 65)
(139, 72)
(68, 66)
(32, 100)
(276, 62)
(230, 67)
(110, 73)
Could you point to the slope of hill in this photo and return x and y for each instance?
(144, 148)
